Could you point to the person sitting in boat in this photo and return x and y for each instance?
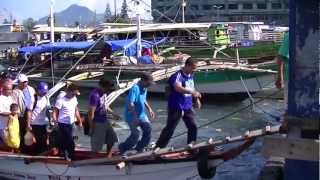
(6, 100)
(180, 104)
(38, 119)
(101, 129)
(146, 52)
(146, 56)
(105, 53)
(24, 96)
(136, 117)
(66, 112)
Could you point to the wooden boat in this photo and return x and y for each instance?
(168, 163)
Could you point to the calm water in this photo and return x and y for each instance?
(246, 166)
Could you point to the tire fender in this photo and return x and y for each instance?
(205, 168)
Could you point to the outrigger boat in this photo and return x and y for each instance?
(199, 159)
(218, 76)
(194, 160)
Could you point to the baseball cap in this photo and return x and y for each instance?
(22, 78)
(147, 78)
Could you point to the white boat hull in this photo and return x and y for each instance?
(17, 169)
(226, 87)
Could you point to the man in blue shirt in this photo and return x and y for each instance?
(136, 117)
(101, 129)
(181, 95)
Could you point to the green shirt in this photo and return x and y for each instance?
(284, 52)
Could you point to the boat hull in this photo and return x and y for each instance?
(222, 86)
(17, 169)
(226, 87)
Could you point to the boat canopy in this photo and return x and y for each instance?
(129, 46)
(56, 46)
(170, 27)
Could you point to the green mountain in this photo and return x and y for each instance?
(72, 14)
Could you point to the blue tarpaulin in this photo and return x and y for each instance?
(67, 46)
(57, 46)
(128, 45)
(31, 50)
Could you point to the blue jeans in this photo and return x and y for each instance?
(133, 139)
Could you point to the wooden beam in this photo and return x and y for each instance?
(291, 148)
(303, 123)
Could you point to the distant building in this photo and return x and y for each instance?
(268, 11)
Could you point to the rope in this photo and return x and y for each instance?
(52, 69)
(45, 61)
(157, 11)
(175, 17)
(228, 115)
(277, 118)
(54, 173)
(175, 4)
(25, 63)
(80, 59)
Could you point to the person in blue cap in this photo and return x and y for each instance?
(37, 118)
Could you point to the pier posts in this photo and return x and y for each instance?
(300, 146)
(303, 101)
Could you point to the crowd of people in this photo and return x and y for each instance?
(27, 119)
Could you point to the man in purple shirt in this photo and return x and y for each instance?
(181, 95)
(102, 131)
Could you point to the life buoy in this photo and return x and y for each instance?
(204, 168)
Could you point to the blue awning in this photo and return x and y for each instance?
(128, 45)
(67, 46)
(57, 46)
(31, 50)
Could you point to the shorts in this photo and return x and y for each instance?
(102, 133)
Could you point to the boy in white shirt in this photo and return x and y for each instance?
(66, 112)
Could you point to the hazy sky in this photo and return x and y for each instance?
(22, 9)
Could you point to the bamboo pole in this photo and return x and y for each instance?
(82, 76)
(20, 156)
